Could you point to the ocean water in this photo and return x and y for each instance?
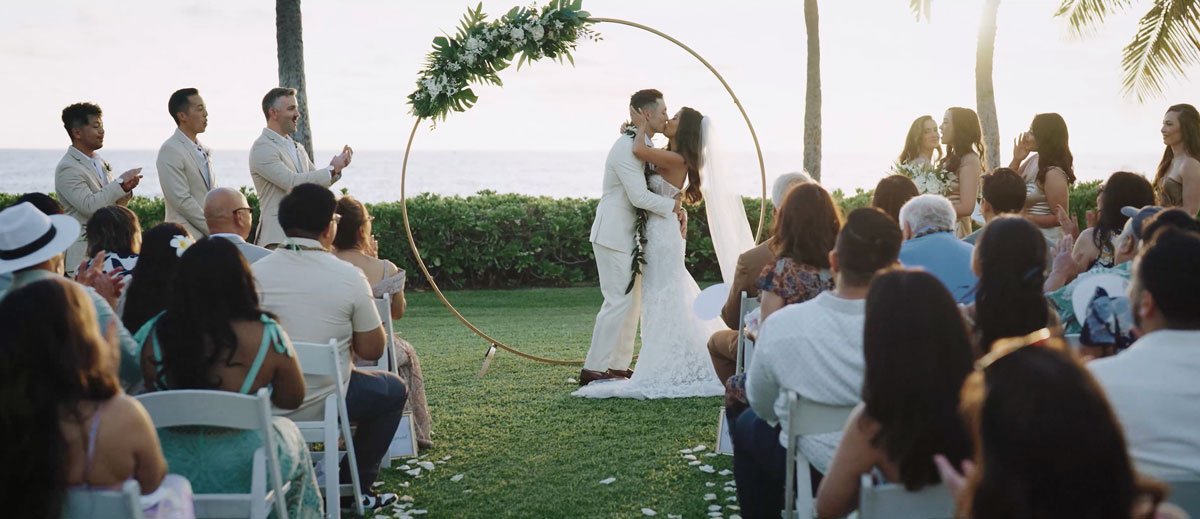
(375, 174)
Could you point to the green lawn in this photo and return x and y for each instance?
(526, 447)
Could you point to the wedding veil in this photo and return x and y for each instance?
(727, 222)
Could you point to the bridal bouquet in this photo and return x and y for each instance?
(929, 178)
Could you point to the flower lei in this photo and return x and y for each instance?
(639, 223)
(480, 49)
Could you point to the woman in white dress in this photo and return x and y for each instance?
(674, 361)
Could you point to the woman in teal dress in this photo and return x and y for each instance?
(214, 335)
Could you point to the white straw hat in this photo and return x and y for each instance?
(29, 236)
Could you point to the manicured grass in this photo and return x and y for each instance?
(526, 447)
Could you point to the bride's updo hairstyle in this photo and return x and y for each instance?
(869, 242)
(966, 137)
(689, 143)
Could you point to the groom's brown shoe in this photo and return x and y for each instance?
(587, 376)
(621, 373)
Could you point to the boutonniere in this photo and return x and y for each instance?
(107, 168)
(629, 130)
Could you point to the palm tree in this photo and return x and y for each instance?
(289, 44)
(985, 92)
(812, 93)
(1166, 42)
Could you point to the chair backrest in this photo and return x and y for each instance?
(387, 362)
(319, 359)
(806, 417)
(880, 501)
(109, 504)
(746, 305)
(1185, 494)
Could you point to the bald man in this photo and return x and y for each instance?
(229, 216)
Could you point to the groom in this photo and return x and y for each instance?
(612, 242)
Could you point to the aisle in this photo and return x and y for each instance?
(523, 446)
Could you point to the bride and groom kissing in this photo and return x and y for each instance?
(673, 361)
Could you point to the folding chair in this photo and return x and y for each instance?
(322, 360)
(744, 346)
(806, 417)
(107, 504)
(881, 501)
(191, 407)
(387, 362)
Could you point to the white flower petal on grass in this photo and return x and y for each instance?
(689, 456)
(715, 514)
(447, 458)
(647, 511)
(673, 516)
(707, 469)
(404, 483)
(710, 497)
(382, 517)
(608, 481)
(572, 381)
(406, 499)
(405, 467)
(725, 472)
(377, 484)
(714, 508)
(456, 478)
(425, 465)
(732, 499)
(733, 507)
(698, 448)
(735, 516)
(710, 455)
(729, 489)
(694, 463)
(413, 472)
(420, 512)
(685, 451)
(730, 483)
(709, 484)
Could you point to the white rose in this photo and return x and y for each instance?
(517, 34)
(537, 32)
(473, 43)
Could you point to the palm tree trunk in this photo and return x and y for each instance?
(289, 43)
(812, 97)
(985, 93)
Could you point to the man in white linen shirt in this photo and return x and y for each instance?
(229, 217)
(1153, 386)
(815, 349)
(318, 297)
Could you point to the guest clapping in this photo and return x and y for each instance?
(1048, 174)
(1096, 245)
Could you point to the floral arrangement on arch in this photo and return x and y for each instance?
(481, 49)
(929, 178)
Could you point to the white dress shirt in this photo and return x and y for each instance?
(98, 164)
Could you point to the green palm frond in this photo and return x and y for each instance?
(1167, 41)
(921, 9)
(1084, 15)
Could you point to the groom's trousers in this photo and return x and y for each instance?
(617, 322)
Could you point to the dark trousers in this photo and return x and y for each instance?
(375, 401)
(759, 466)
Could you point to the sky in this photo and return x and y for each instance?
(880, 69)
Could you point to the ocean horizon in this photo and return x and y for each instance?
(374, 176)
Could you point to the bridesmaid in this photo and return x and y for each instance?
(963, 138)
(921, 142)
(1177, 183)
(1048, 173)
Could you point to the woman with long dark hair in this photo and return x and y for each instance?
(1177, 182)
(1047, 443)
(1010, 260)
(891, 193)
(214, 335)
(805, 232)
(680, 163)
(67, 422)
(1048, 173)
(965, 152)
(921, 142)
(146, 295)
(1096, 246)
(917, 356)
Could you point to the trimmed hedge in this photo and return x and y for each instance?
(491, 240)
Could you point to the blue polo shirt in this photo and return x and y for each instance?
(947, 258)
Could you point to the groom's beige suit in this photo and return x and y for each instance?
(612, 240)
(278, 164)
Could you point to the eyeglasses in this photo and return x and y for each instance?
(1007, 345)
(240, 209)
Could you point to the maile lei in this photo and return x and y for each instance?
(639, 222)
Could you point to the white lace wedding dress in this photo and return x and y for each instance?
(674, 361)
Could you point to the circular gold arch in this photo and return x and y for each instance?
(433, 284)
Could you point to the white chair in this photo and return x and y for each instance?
(744, 344)
(322, 360)
(1185, 494)
(231, 411)
(387, 362)
(881, 501)
(105, 504)
(806, 417)
(724, 435)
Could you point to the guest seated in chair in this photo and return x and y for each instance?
(917, 356)
(229, 216)
(722, 346)
(68, 425)
(319, 297)
(815, 349)
(146, 295)
(116, 231)
(214, 335)
(929, 225)
(804, 234)
(355, 244)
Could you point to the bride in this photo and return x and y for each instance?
(674, 360)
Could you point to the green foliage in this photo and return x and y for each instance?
(860, 198)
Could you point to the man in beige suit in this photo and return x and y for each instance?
(278, 163)
(83, 180)
(722, 346)
(184, 165)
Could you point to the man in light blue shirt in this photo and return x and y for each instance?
(929, 243)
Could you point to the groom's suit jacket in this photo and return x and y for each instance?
(275, 172)
(183, 184)
(624, 190)
(80, 191)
